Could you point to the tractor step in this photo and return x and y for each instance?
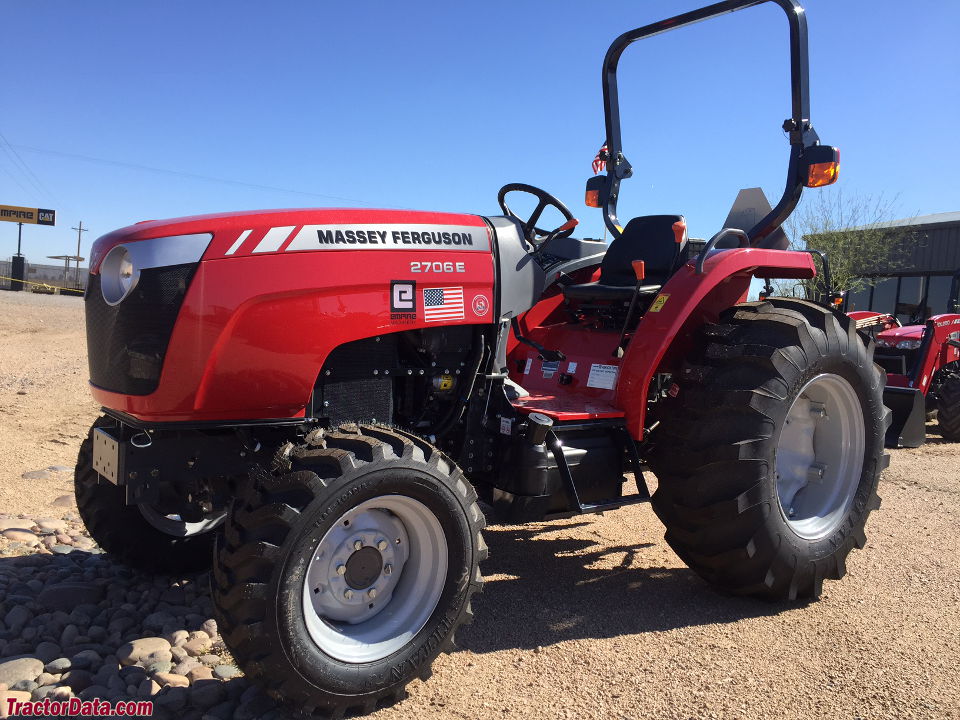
(619, 431)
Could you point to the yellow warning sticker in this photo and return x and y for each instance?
(658, 303)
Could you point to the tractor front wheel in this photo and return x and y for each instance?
(948, 407)
(347, 569)
(769, 457)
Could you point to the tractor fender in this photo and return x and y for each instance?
(666, 333)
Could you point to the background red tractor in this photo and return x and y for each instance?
(315, 401)
(922, 361)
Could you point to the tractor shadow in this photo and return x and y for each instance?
(544, 590)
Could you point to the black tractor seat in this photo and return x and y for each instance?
(649, 238)
(599, 291)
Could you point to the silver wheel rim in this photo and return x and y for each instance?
(375, 578)
(820, 456)
(177, 527)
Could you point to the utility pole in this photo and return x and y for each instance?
(80, 230)
(19, 236)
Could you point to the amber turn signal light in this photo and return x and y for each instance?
(821, 174)
(639, 269)
(592, 198)
(680, 231)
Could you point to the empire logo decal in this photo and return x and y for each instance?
(403, 301)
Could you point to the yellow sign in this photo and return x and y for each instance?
(33, 216)
(658, 303)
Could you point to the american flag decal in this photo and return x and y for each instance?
(600, 161)
(442, 304)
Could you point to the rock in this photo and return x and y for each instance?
(147, 688)
(86, 659)
(223, 711)
(67, 595)
(225, 672)
(64, 501)
(200, 672)
(210, 660)
(60, 468)
(182, 668)
(132, 674)
(46, 678)
(52, 525)
(94, 691)
(14, 524)
(138, 650)
(198, 646)
(78, 680)
(21, 536)
(17, 617)
(178, 637)
(58, 665)
(36, 474)
(210, 627)
(156, 621)
(64, 539)
(206, 693)
(171, 679)
(199, 635)
(172, 698)
(25, 686)
(17, 669)
(43, 691)
(62, 549)
(178, 654)
(69, 635)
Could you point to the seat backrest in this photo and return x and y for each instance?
(649, 238)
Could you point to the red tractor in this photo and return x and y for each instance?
(922, 361)
(314, 402)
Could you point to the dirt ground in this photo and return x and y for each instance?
(595, 617)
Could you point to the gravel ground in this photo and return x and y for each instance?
(591, 617)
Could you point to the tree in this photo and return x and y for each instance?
(854, 232)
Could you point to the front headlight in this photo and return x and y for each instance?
(908, 345)
(118, 275)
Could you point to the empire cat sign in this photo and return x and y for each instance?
(32, 216)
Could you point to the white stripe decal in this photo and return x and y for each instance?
(236, 246)
(274, 239)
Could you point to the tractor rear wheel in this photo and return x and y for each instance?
(344, 572)
(948, 407)
(769, 457)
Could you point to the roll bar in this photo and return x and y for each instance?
(798, 127)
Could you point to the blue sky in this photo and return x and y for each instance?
(436, 105)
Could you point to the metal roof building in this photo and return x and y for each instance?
(926, 271)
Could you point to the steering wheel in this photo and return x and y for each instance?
(538, 237)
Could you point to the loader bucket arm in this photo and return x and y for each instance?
(801, 133)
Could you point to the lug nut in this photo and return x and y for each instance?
(387, 569)
(348, 594)
(372, 593)
(382, 545)
(357, 544)
(341, 569)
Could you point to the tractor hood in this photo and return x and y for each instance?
(907, 332)
(236, 234)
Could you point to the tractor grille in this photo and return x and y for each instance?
(126, 343)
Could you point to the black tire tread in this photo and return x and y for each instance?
(270, 505)
(710, 457)
(948, 408)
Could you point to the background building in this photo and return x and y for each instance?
(923, 272)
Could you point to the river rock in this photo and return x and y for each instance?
(17, 669)
(20, 535)
(140, 649)
(171, 679)
(67, 595)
